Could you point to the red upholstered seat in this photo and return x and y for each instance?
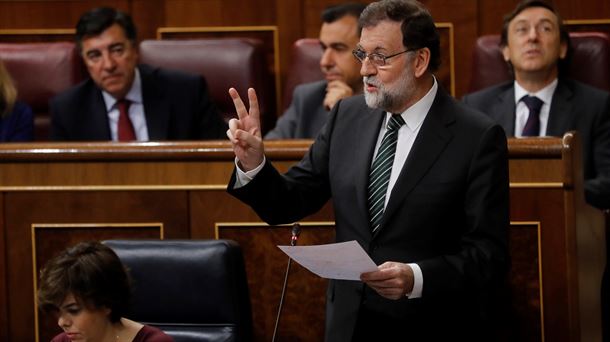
(590, 61)
(225, 63)
(41, 71)
(304, 68)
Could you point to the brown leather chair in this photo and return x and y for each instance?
(304, 68)
(590, 61)
(41, 71)
(225, 63)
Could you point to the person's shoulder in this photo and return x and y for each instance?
(354, 103)
(584, 90)
(488, 94)
(75, 93)
(464, 114)
(151, 334)
(311, 87)
(22, 108)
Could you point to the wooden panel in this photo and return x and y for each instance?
(83, 207)
(3, 275)
(591, 25)
(36, 35)
(266, 267)
(525, 318)
(49, 13)
(47, 240)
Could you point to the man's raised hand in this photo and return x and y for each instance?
(245, 132)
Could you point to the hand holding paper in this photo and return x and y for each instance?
(344, 260)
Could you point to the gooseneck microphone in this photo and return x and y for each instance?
(296, 231)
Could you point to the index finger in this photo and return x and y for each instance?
(240, 108)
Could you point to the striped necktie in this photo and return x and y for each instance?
(381, 170)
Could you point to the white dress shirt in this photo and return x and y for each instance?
(522, 112)
(136, 111)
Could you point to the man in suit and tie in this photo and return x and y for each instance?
(311, 102)
(123, 101)
(542, 101)
(417, 179)
(536, 45)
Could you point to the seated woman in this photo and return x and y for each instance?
(88, 289)
(16, 118)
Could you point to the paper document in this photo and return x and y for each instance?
(344, 260)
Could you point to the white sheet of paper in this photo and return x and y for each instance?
(343, 260)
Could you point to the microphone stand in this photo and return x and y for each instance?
(296, 231)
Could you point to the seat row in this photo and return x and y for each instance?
(43, 70)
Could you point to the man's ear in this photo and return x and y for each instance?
(422, 61)
(506, 53)
(563, 50)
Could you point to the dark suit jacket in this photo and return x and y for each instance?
(18, 125)
(448, 212)
(177, 106)
(306, 114)
(575, 107)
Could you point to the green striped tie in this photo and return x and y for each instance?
(381, 170)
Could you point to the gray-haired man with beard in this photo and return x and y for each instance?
(418, 179)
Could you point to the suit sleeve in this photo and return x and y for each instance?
(58, 131)
(597, 189)
(483, 255)
(302, 191)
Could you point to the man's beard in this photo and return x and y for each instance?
(392, 99)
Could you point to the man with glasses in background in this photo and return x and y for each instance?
(124, 101)
(417, 179)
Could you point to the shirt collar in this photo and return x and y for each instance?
(134, 95)
(415, 115)
(545, 94)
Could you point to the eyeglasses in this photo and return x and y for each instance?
(375, 58)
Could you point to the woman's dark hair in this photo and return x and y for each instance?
(418, 29)
(92, 273)
(97, 20)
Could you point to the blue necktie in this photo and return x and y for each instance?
(532, 125)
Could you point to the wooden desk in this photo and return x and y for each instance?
(53, 195)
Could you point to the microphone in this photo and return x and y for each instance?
(296, 231)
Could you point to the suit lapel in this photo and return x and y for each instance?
(99, 125)
(503, 110)
(432, 139)
(561, 114)
(156, 105)
(368, 125)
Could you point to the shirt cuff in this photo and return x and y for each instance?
(243, 178)
(418, 282)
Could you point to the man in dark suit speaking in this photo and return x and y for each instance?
(418, 179)
(123, 101)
